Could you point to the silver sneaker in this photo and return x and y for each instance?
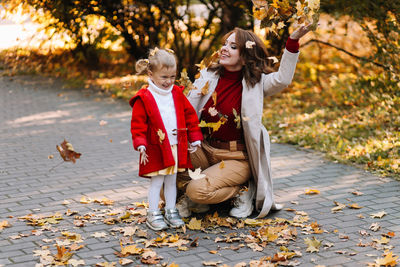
(185, 206)
(173, 219)
(155, 220)
(243, 202)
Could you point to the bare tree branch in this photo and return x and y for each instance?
(346, 52)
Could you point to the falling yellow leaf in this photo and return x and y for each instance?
(205, 88)
(161, 135)
(313, 244)
(214, 125)
(222, 165)
(214, 97)
(378, 214)
(388, 260)
(213, 112)
(312, 191)
(196, 174)
(194, 224)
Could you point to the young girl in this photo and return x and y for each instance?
(163, 121)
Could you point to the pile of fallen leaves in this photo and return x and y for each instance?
(139, 245)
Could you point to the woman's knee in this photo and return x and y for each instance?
(195, 191)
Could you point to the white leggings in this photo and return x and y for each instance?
(169, 182)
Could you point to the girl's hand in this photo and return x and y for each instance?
(301, 31)
(143, 156)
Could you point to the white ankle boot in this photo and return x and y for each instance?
(243, 202)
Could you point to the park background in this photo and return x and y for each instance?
(344, 99)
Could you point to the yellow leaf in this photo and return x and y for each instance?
(260, 3)
(194, 224)
(388, 260)
(4, 224)
(312, 191)
(339, 207)
(222, 165)
(214, 97)
(130, 250)
(196, 174)
(106, 264)
(125, 261)
(161, 135)
(85, 200)
(354, 206)
(204, 90)
(253, 222)
(313, 244)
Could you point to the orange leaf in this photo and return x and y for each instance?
(67, 152)
(222, 165)
(312, 192)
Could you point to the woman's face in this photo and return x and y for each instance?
(229, 54)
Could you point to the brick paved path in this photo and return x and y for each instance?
(38, 113)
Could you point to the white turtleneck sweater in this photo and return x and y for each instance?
(166, 106)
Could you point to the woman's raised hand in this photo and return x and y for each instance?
(301, 31)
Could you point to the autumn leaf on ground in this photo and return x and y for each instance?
(374, 227)
(313, 244)
(129, 230)
(378, 214)
(103, 122)
(67, 152)
(354, 206)
(388, 260)
(125, 261)
(106, 264)
(312, 191)
(130, 250)
(194, 224)
(255, 247)
(63, 254)
(339, 207)
(357, 193)
(196, 174)
(99, 234)
(383, 241)
(211, 263)
(85, 200)
(4, 224)
(150, 257)
(75, 262)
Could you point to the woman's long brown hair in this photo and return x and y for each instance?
(255, 59)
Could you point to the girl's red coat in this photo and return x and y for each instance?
(146, 122)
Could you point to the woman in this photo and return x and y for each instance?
(234, 158)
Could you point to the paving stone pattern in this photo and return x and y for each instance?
(37, 113)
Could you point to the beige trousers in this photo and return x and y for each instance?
(222, 182)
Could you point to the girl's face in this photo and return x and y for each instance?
(163, 77)
(229, 54)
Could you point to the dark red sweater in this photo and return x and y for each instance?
(229, 97)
